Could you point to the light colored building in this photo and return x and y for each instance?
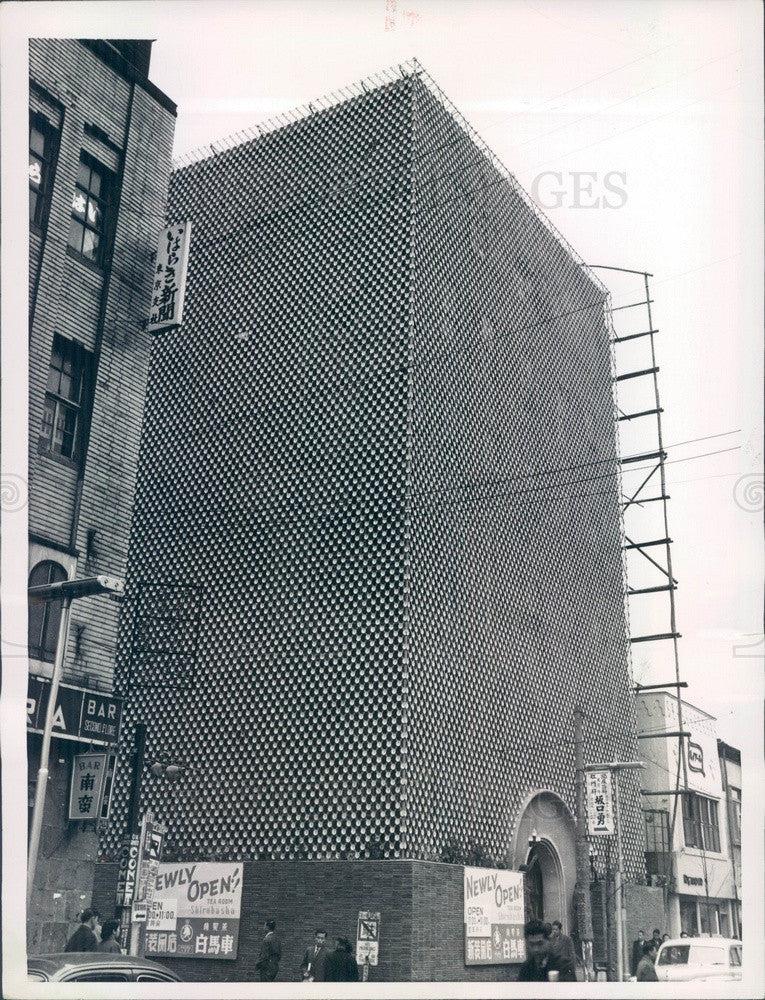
(688, 833)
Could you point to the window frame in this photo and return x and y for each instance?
(104, 200)
(80, 360)
(48, 160)
(39, 651)
(701, 822)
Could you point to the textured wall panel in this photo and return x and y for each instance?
(364, 446)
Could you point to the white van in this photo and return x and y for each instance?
(683, 959)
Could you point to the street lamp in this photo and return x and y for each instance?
(66, 592)
(616, 766)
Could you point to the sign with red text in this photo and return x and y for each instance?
(494, 917)
(600, 806)
(169, 285)
(195, 911)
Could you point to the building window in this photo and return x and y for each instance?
(688, 917)
(700, 825)
(67, 385)
(90, 209)
(44, 616)
(41, 142)
(734, 805)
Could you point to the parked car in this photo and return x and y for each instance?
(682, 959)
(96, 967)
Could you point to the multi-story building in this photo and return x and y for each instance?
(691, 818)
(100, 141)
(376, 552)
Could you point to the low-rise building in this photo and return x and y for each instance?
(689, 846)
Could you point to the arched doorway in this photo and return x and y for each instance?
(533, 890)
(545, 850)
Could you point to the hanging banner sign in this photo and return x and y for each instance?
(195, 911)
(88, 781)
(494, 917)
(126, 874)
(600, 806)
(169, 286)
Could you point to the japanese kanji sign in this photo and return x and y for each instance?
(600, 809)
(87, 790)
(195, 911)
(169, 283)
(368, 937)
(494, 917)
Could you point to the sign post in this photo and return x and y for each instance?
(367, 940)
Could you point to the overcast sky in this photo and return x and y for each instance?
(653, 111)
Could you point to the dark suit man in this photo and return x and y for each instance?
(270, 953)
(312, 965)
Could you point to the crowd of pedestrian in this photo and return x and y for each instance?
(319, 964)
(644, 952)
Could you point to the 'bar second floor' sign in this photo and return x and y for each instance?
(82, 715)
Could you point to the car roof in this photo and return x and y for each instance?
(54, 961)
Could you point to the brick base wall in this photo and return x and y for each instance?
(420, 903)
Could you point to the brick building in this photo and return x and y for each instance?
(376, 551)
(100, 140)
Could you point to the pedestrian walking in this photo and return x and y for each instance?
(645, 970)
(637, 952)
(340, 965)
(312, 965)
(270, 953)
(657, 937)
(109, 940)
(540, 966)
(84, 938)
(561, 947)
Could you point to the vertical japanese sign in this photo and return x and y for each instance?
(494, 917)
(88, 780)
(368, 937)
(600, 808)
(195, 911)
(169, 284)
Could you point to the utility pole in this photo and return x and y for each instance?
(583, 897)
(614, 767)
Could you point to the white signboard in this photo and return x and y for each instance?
(368, 937)
(494, 916)
(88, 777)
(169, 286)
(195, 911)
(600, 806)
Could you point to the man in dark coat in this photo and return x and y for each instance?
(270, 953)
(312, 965)
(561, 947)
(645, 970)
(539, 962)
(340, 965)
(637, 952)
(85, 938)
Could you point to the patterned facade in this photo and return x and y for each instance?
(376, 551)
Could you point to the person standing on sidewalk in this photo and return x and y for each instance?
(85, 937)
(270, 953)
(340, 966)
(312, 965)
(645, 970)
